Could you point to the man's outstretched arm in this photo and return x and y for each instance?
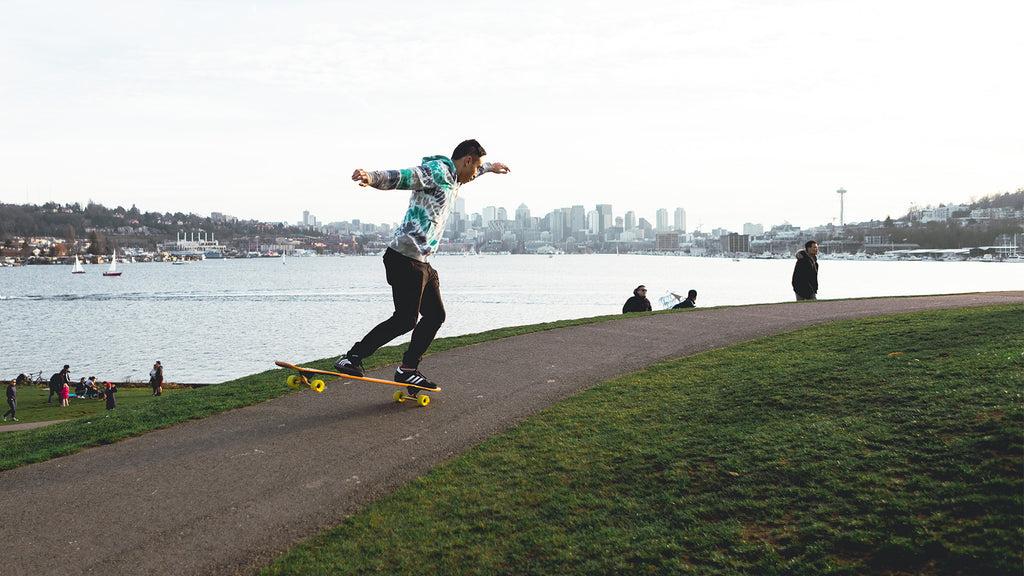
(416, 178)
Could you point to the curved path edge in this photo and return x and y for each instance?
(229, 493)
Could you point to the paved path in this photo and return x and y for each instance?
(26, 425)
(227, 494)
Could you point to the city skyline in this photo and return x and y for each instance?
(735, 110)
(676, 215)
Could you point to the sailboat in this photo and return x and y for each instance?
(77, 269)
(112, 271)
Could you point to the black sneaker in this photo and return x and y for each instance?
(413, 376)
(350, 364)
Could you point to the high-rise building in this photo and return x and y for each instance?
(594, 222)
(490, 214)
(630, 222)
(680, 220)
(523, 219)
(556, 224)
(577, 219)
(604, 212)
(661, 220)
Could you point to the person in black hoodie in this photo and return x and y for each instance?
(805, 273)
(638, 302)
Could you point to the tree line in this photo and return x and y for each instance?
(123, 227)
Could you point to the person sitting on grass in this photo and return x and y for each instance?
(638, 302)
(690, 302)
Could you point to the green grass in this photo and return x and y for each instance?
(32, 406)
(81, 430)
(880, 446)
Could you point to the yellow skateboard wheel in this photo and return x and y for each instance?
(294, 381)
(317, 385)
(399, 396)
(423, 399)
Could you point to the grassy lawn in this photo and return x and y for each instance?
(138, 415)
(32, 406)
(880, 446)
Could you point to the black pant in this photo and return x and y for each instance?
(14, 408)
(417, 292)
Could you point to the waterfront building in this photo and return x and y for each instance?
(667, 241)
(753, 229)
(191, 246)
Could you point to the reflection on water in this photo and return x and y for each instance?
(217, 320)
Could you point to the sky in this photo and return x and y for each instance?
(737, 111)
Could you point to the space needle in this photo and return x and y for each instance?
(842, 196)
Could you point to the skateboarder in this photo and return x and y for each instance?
(414, 282)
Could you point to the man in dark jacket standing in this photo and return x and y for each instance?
(805, 273)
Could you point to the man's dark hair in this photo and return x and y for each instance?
(691, 294)
(809, 242)
(468, 148)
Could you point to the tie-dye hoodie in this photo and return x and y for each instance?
(435, 186)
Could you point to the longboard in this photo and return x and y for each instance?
(305, 377)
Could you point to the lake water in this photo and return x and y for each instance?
(220, 319)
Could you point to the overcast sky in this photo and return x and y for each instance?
(738, 111)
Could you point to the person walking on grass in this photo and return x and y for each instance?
(415, 287)
(12, 396)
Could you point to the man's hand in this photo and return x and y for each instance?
(361, 176)
(499, 168)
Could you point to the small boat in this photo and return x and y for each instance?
(77, 269)
(112, 271)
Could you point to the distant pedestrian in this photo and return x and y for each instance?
(57, 382)
(12, 396)
(156, 379)
(109, 391)
(638, 302)
(65, 394)
(805, 273)
(690, 302)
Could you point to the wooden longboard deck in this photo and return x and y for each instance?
(304, 370)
